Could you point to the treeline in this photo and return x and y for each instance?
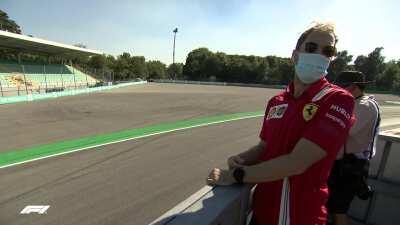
(203, 65)
(127, 67)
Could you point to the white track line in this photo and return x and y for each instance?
(128, 139)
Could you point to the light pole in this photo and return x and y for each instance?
(173, 54)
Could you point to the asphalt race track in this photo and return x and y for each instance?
(131, 182)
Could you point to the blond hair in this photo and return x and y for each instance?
(325, 27)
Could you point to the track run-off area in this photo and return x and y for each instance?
(126, 156)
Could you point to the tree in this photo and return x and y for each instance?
(238, 69)
(174, 71)
(121, 67)
(7, 24)
(110, 62)
(202, 64)
(195, 67)
(339, 64)
(286, 71)
(372, 65)
(390, 78)
(80, 60)
(279, 71)
(156, 70)
(221, 73)
(97, 62)
(137, 65)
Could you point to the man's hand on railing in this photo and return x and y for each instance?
(220, 177)
(235, 162)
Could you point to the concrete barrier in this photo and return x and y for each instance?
(41, 96)
(219, 83)
(230, 205)
(210, 206)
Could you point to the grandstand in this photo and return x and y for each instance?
(17, 77)
(13, 74)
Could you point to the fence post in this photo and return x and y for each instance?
(23, 72)
(73, 72)
(45, 77)
(110, 77)
(62, 81)
(1, 88)
(87, 83)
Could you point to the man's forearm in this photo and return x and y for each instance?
(252, 155)
(271, 170)
(304, 154)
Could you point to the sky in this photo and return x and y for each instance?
(248, 27)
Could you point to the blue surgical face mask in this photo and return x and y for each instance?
(311, 67)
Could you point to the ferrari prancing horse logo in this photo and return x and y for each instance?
(309, 111)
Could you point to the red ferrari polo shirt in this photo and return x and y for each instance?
(323, 115)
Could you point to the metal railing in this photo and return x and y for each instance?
(384, 206)
(230, 205)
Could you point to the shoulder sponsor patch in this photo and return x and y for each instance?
(277, 111)
(309, 111)
(340, 110)
(338, 115)
(336, 120)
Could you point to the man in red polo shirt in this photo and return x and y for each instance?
(303, 129)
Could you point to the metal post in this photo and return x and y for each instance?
(173, 54)
(379, 176)
(107, 77)
(87, 83)
(23, 72)
(1, 89)
(45, 76)
(62, 80)
(73, 72)
(385, 156)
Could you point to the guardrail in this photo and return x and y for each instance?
(219, 83)
(276, 86)
(384, 206)
(230, 205)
